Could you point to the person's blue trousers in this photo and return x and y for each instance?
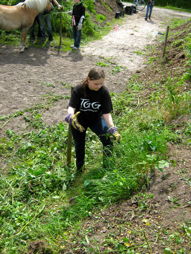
(149, 11)
(76, 36)
(46, 26)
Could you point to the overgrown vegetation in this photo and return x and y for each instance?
(41, 199)
(36, 193)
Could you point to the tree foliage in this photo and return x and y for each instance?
(185, 4)
(177, 3)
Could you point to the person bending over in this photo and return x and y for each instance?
(90, 106)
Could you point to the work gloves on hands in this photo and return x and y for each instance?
(79, 27)
(115, 133)
(72, 119)
(69, 12)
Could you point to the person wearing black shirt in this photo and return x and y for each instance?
(90, 106)
(78, 15)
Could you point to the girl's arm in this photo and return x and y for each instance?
(57, 4)
(71, 110)
(111, 128)
(108, 119)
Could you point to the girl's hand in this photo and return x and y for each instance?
(117, 136)
(72, 119)
(115, 133)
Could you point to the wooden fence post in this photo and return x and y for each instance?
(69, 147)
(60, 33)
(165, 42)
(69, 143)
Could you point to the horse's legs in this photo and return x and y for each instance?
(23, 40)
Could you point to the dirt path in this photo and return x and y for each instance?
(26, 79)
(126, 42)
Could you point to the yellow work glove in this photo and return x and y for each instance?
(117, 136)
(115, 133)
(72, 119)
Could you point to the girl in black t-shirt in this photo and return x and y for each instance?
(90, 106)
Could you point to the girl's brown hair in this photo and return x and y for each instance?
(94, 74)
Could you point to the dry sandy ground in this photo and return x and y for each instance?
(25, 79)
(126, 41)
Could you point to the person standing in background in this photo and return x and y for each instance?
(149, 9)
(44, 23)
(78, 16)
(38, 21)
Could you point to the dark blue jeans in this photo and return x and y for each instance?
(77, 36)
(149, 11)
(100, 129)
(39, 21)
(46, 26)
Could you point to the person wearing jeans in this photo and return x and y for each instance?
(44, 23)
(38, 20)
(149, 9)
(78, 15)
(46, 26)
(90, 106)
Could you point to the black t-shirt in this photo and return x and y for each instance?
(78, 11)
(91, 104)
(150, 2)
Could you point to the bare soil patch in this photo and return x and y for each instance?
(27, 79)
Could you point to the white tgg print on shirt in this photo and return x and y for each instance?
(86, 105)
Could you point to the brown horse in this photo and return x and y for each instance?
(21, 16)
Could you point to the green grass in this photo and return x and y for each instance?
(176, 8)
(36, 203)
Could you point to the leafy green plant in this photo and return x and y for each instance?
(175, 102)
(151, 60)
(102, 64)
(90, 5)
(138, 52)
(117, 69)
(187, 130)
(48, 85)
(101, 18)
(168, 251)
